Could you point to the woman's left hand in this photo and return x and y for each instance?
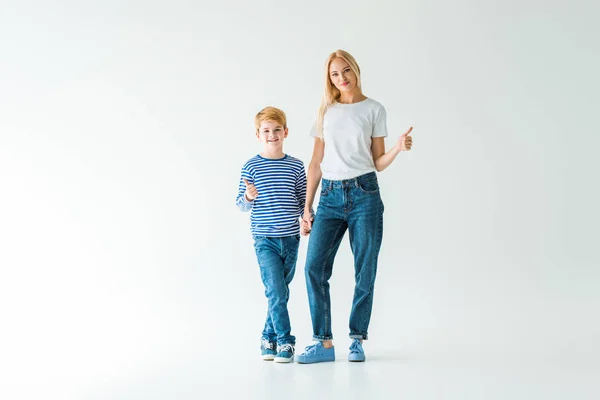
(405, 140)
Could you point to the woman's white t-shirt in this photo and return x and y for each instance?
(347, 130)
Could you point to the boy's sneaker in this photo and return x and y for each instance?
(267, 350)
(285, 353)
(356, 351)
(316, 353)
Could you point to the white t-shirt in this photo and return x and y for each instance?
(347, 130)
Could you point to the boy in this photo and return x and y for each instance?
(273, 188)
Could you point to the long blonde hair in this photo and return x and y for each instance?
(332, 94)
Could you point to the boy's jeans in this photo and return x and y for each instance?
(355, 205)
(277, 260)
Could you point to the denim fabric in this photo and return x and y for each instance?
(277, 260)
(354, 205)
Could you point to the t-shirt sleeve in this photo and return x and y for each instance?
(380, 126)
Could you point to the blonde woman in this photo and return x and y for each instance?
(348, 150)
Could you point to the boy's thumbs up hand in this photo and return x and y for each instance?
(251, 192)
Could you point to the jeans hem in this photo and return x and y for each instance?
(359, 336)
(322, 338)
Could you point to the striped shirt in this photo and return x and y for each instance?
(281, 187)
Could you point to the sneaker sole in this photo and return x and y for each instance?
(268, 358)
(283, 360)
(302, 361)
(356, 357)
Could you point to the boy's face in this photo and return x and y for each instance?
(271, 134)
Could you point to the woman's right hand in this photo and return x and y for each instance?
(304, 231)
(307, 220)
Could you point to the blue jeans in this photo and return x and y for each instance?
(277, 260)
(354, 205)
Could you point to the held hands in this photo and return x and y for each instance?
(306, 222)
(251, 192)
(304, 229)
(405, 140)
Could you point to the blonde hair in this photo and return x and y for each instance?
(270, 114)
(332, 94)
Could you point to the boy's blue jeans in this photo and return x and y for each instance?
(277, 260)
(354, 205)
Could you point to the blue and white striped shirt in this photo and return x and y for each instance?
(281, 187)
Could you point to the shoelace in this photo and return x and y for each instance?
(286, 347)
(311, 349)
(356, 347)
(266, 344)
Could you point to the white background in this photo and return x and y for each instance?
(128, 272)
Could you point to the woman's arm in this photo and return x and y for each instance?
(313, 178)
(382, 159)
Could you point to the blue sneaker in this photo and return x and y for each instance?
(267, 349)
(356, 351)
(285, 353)
(316, 353)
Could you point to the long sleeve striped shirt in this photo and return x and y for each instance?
(281, 187)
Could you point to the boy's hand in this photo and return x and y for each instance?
(251, 192)
(405, 140)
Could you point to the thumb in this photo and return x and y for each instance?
(407, 132)
(246, 182)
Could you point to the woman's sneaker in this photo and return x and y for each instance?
(267, 350)
(285, 353)
(316, 353)
(356, 351)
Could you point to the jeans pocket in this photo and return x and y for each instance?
(369, 186)
(257, 239)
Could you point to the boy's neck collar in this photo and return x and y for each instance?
(273, 157)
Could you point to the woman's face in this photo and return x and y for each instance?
(341, 75)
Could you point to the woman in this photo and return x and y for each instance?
(349, 148)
